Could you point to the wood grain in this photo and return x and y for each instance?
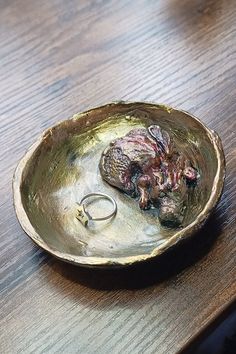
(61, 57)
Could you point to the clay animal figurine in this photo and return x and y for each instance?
(145, 164)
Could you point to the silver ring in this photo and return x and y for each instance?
(83, 215)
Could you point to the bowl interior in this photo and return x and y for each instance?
(64, 167)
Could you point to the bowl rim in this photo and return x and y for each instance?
(92, 261)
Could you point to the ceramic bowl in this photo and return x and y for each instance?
(63, 166)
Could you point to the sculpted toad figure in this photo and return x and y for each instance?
(145, 164)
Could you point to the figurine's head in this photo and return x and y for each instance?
(171, 211)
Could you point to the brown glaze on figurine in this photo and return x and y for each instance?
(145, 164)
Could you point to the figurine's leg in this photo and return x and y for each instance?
(155, 194)
(143, 184)
(127, 182)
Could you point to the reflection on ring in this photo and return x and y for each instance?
(83, 215)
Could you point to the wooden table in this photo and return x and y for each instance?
(61, 57)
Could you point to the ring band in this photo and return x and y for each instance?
(83, 215)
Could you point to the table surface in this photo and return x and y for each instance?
(61, 57)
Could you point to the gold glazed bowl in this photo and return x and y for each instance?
(62, 167)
